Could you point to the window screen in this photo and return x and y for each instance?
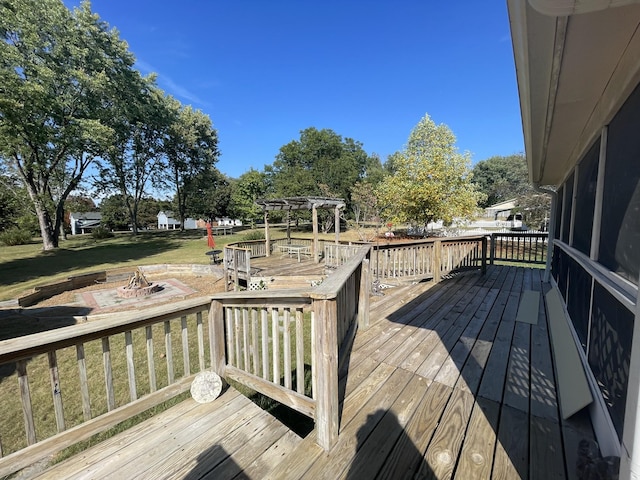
(610, 351)
(566, 209)
(586, 199)
(620, 232)
(578, 299)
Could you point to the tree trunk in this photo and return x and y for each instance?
(48, 232)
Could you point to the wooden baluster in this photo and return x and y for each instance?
(168, 352)
(185, 346)
(275, 334)
(131, 367)
(108, 373)
(230, 334)
(255, 353)
(56, 391)
(84, 382)
(246, 343)
(264, 319)
(25, 398)
(287, 347)
(200, 334)
(299, 351)
(151, 364)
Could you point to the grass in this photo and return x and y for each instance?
(24, 267)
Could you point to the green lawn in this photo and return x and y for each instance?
(23, 267)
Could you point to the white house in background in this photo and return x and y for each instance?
(578, 69)
(500, 211)
(167, 222)
(228, 222)
(84, 222)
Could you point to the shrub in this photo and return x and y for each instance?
(101, 232)
(15, 236)
(253, 235)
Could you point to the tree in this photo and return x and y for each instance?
(61, 74)
(191, 149)
(208, 195)
(535, 208)
(251, 186)
(136, 160)
(501, 178)
(113, 210)
(320, 157)
(432, 181)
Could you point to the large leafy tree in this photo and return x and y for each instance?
(320, 157)
(432, 180)
(501, 178)
(251, 186)
(136, 161)
(192, 151)
(61, 74)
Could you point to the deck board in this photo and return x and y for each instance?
(443, 384)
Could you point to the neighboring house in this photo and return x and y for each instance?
(167, 222)
(226, 221)
(578, 71)
(500, 211)
(84, 222)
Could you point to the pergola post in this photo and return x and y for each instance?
(289, 227)
(337, 222)
(267, 239)
(316, 256)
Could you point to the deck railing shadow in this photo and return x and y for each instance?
(470, 325)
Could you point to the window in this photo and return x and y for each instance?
(620, 228)
(586, 199)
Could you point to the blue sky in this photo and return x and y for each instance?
(369, 70)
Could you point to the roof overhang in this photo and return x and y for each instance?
(576, 62)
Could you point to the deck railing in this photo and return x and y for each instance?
(269, 340)
(428, 258)
(99, 374)
(521, 247)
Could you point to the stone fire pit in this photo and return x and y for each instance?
(138, 286)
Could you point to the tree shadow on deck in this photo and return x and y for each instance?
(380, 435)
(216, 463)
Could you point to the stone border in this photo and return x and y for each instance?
(87, 279)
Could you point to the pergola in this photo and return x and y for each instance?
(301, 203)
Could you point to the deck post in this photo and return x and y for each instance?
(363, 300)
(326, 371)
(436, 264)
(492, 254)
(267, 239)
(216, 338)
(316, 256)
(484, 255)
(337, 222)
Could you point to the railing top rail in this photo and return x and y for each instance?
(520, 234)
(293, 295)
(331, 286)
(38, 343)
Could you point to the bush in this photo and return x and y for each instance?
(253, 235)
(15, 236)
(101, 232)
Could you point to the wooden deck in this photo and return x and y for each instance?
(444, 384)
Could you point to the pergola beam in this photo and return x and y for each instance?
(303, 203)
